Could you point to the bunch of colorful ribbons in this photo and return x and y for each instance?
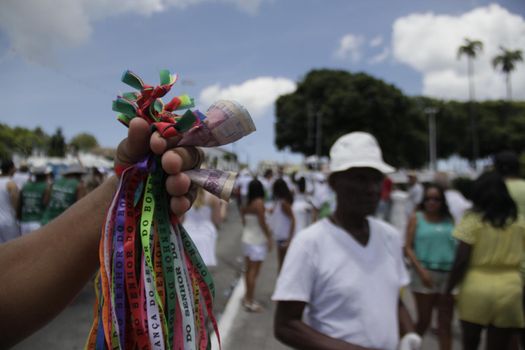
(153, 289)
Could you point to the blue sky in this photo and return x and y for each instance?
(61, 65)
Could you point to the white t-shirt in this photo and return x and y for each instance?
(352, 291)
(457, 204)
(279, 223)
(415, 196)
(302, 210)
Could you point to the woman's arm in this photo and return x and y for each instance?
(291, 330)
(411, 255)
(14, 194)
(261, 216)
(460, 266)
(287, 210)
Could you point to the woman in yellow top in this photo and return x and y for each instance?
(491, 246)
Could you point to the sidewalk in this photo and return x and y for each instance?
(253, 330)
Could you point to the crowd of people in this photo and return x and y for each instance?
(455, 255)
(32, 197)
(342, 268)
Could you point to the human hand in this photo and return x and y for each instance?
(410, 341)
(174, 160)
(426, 278)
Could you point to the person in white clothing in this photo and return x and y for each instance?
(9, 198)
(415, 194)
(21, 176)
(347, 268)
(201, 222)
(256, 239)
(456, 202)
(267, 182)
(241, 186)
(282, 219)
(302, 208)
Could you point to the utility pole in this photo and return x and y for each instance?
(319, 134)
(432, 146)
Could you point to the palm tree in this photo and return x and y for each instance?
(471, 49)
(507, 60)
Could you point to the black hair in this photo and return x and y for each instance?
(507, 163)
(445, 210)
(281, 191)
(268, 172)
(255, 190)
(492, 200)
(7, 165)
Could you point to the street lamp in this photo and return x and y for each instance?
(432, 148)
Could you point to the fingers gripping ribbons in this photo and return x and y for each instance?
(153, 289)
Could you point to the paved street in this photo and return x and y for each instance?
(239, 329)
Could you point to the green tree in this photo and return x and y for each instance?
(471, 48)
(507, 60)
(83, 142)
(21, 140)
(347, 102)
(57, 144)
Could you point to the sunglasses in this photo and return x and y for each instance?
(433, 199)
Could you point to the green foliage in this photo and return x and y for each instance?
(349, 102)
(470, 49)
(83, 142)
(57, 144)
(21, 140)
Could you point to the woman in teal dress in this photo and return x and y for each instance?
(430, 249)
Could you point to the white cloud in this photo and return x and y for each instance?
(257, 95)
(350, 47)
(380, 57)
(36, 27)
(376, 41)
(429, 43)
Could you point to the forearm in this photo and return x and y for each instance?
(299, 335)
(460, 266)
(50, 266)
(411, 255)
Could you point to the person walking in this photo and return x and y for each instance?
(507, 164)
(282, 219)
(65, 192)
(201, 222)
(257, 241)
(415, 193)
(302, 208)
(430, 249)
(34, 199)
(487, 266)
(341, 278)
(9, 197)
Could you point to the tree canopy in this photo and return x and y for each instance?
(23, 141)
(83, 142)
(348, 102)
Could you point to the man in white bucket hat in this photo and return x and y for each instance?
(348, 268)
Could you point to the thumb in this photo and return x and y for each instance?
(136, 146)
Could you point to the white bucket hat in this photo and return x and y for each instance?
(74, 169)
(357, 150)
